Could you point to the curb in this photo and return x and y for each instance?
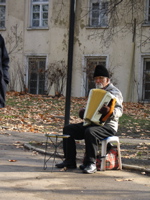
(30, 147)
(134, 167)
(124, 166)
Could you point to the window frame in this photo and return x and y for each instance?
(39, 3)
(145, 59)
(96, 57)
(100, 14)
(147, 13)
(36, 58)
(3, 4)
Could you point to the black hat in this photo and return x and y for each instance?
(100, 70)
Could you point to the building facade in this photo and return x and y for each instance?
(109, 32)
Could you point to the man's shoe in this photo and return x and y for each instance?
(64, 164)
(82, 167)
(60, 165)
(90, 169)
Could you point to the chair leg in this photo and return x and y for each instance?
(119, 156)
(104, 149)
(103, 155)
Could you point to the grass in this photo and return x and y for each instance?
(133, 126)
(130, 121)
(41, 113)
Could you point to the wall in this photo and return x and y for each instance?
(53, 43)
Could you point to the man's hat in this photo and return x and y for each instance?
(100, 70)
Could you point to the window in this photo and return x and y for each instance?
(146, 80)
(39, 15)
(98, 13)
(36, 75)
(147, 12)
(2, 13)
(91, 64)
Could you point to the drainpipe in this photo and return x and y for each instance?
(70, 60)
(132, 72)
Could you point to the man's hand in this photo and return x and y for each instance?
(104, 110)
(81, 113)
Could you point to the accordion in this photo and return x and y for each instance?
(96, 100)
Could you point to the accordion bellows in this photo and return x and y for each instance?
(97, 98)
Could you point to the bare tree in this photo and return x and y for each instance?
(56, 75)
(14, 43)
(17, 77)
(14, 40)
(121, 16)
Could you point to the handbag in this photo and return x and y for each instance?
(111, 159)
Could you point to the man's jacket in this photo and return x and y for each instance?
(4, 77)
(118, 111)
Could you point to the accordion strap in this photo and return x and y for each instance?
(112, 106)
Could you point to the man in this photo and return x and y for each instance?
(4, 78)
(92, 133)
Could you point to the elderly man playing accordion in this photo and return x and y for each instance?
(92, 133)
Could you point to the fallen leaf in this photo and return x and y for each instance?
(126, 179)
(119, 180)
(12, 160)
(143, 173)
(63, 169)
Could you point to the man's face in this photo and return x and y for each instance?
(101, 82)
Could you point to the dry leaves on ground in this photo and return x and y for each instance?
(44, 114)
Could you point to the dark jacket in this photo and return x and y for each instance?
(4, 77)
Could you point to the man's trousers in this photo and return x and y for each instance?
(91, 134)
